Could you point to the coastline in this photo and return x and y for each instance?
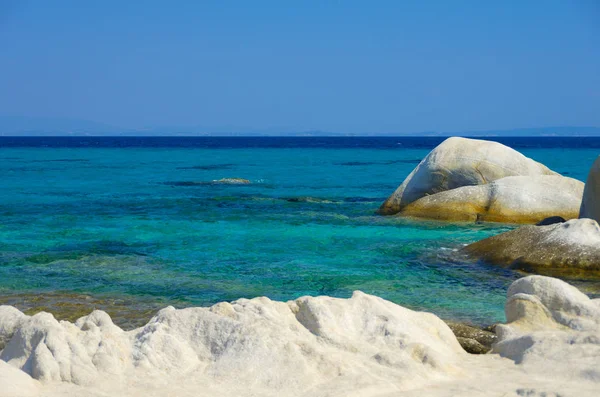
(165, 241)
(310, 346)
(71, 307)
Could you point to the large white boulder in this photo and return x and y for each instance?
(590, 206)
(458, 162)
(513, 199)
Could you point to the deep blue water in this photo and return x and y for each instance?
(243, 142)
(138, 220)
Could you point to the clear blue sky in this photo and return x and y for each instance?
(345, 66)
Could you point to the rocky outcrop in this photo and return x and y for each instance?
(553, 326)
(553, 246)
(260, 343)
(324, 347)
(514, 199)
(590, 205)
(571, 248)
(459, 162)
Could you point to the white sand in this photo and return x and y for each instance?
(363, 346)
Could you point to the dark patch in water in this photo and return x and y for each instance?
(24, 169)
(81, 250)
(62, 161)
(381, 186)
(363, 163)
(308, 199)
(208, 167)
(232, 204)
(49, 257)
(363, 200)
(186, 183)
(356, 163)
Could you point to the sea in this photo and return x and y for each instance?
(133, 224)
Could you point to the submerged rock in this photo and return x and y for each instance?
(308, 199)
(232, 181)
(590, 206)
(459, 162)
(571, 248)
(514, 199)
(224, 181)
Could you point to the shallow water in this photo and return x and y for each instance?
(133, 224)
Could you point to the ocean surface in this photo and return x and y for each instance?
(133, 224)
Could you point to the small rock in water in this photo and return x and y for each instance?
(308, 200)
(224, 181)
(232, 181)
(567, 249)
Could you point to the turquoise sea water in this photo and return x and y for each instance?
(142, 224)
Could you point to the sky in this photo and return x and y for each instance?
(341, 66)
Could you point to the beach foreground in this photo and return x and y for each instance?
(317, 346)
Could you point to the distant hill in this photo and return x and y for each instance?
(45, 126)
(544, 131)
(49, 126)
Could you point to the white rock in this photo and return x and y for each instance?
(287, 347)
(49, 350)
(363, 346)
(11, 321)
(513, 199)
(552, 328)
(460, 162)
(16, 383)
